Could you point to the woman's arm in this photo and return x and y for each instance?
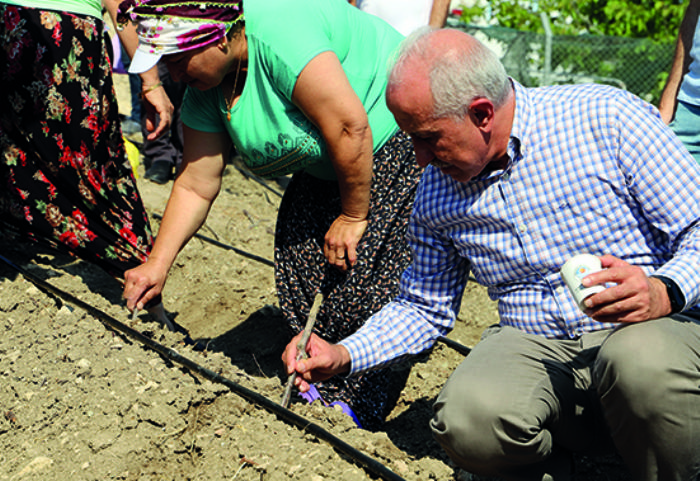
(194, 191)
(681, 61)
(157, 101)
(325, 96)
(438, 13)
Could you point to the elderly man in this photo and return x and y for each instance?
(519, 181)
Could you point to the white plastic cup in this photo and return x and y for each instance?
(574, 270)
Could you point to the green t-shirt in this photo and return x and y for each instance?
(81, 7)
(271, 134)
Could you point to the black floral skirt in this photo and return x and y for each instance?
(308, 208)
(64, 175)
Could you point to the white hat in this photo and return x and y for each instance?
(144, 59)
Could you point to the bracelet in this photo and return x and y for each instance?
(150, 89)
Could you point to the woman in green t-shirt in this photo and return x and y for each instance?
(297, 87)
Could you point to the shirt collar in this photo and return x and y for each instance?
(521, 123)
(519, 129)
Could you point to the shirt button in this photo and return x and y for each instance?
(506, 177)
(522, 228)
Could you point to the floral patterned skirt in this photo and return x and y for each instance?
(64, 175)
(308, 208)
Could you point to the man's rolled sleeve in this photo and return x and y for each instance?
(393, 334)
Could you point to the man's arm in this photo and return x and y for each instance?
(664, 181)
(430, 295)
(681, 61)
(438, 13)
(399, 330)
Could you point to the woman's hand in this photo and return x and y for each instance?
(340, 247)
(159, 109)
(143, 283)
(155, 98)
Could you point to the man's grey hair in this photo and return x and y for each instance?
(457, 77)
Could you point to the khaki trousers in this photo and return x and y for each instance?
(520, 404)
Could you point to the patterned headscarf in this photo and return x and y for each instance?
(166, 27)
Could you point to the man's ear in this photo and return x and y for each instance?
(481, 110)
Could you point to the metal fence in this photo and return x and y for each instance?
(637, 65)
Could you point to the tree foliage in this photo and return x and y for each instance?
(627, 43)
(657, 20)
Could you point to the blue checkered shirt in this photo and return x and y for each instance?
(592, 169)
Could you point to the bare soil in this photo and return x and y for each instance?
(82, 401)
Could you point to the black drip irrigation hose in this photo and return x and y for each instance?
(460, 348)
(370, 464)
(247, 174)
(248, 254)
(227, 247)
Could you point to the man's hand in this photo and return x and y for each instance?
(635, 297)
(325, 361)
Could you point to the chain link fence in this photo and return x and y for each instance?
(637, 65)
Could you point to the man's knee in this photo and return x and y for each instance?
(484, 433)
(461, 425)
(635, 361)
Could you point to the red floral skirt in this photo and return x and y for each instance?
(64, 175)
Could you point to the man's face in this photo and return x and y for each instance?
(458, 147)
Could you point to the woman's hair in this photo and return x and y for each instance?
(236, 29)
(457, 76)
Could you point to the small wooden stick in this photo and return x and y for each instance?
(301, 347)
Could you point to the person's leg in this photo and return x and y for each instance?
(686, 125)
(132, 124)
(648, 378)
(163, 154)
(519, 405)
(66, 177)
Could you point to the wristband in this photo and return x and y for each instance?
(675, 295)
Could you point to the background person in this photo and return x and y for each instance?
(296, 92)
(680, 100)
(521, 180)
(407, 15)
(65, 176)
(163, 155)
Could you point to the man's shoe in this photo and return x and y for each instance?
(160, 172)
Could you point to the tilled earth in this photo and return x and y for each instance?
(80, 400)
